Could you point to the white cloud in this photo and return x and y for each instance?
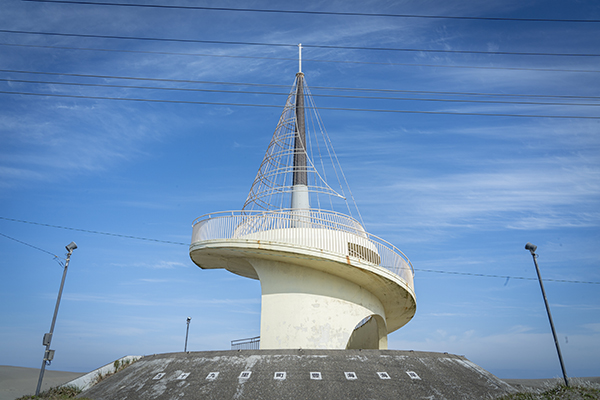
(161, 264)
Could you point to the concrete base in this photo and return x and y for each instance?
(310, 309)
(313, 298)
(301, 374)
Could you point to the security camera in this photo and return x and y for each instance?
(71, 246)
(189, 319)
(531, 247)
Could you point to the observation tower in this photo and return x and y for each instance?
(326, 282)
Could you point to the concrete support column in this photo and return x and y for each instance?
(306, 308)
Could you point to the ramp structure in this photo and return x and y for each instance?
(301, 374)
(326, 283)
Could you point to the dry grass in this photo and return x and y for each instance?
(560, 392)
(57, 393)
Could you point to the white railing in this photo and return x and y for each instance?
(246, 344)
(318, 229)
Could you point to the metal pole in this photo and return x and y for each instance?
(49, 354)
(186, 333)
(532, 249)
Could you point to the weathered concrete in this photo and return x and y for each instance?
(344, 374)
(312, 297)
(88, 380)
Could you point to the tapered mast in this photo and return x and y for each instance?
(300, 198)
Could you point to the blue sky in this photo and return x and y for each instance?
(456, 193)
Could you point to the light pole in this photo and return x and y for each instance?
(532, 248)
(49, 354)
(186, 333)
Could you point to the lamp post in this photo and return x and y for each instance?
(186, 333)
(49, 354)
(532, 248)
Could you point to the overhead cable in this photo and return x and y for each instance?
(101, 85)
(287, 86)
(296, 45)
(339, 13)
(170, 53)
(320, 108)
(502, 276)
(186, 244)
(30, 245)
(94, 232)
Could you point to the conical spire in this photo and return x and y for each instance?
(300, 158)
(300, 138)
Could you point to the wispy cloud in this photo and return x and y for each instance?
(144, 301)
(514, 197)
(162, 264)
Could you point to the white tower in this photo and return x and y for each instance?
(326, 283)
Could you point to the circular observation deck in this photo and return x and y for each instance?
(325, 241)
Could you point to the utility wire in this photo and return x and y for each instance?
(185, 244)
(296, 45)
(353, 14)
(287, 94)
(94, 232)
(30, 245)
(287, 86)
(296, 60)
(502, 276)
(320, 108)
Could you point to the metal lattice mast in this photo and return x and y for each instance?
(298, 161)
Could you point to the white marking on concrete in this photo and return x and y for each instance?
(183, 375)
(212, 376)
(384, 375)
(413, 375)
(245, 375)
(316, 376)
(158, 376)
(280, 376)
(350, 375)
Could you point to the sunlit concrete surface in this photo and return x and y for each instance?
(301, 374)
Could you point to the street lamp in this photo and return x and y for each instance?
(49, 354)
(532, 248)
(186, 333)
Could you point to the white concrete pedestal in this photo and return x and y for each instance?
(311, 309)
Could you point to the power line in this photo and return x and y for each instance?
(320, 108)
(353, 14)
(502, 276)
(512, 53)
(94, 232)
(286, 94)
(304, 59)
(287, 86)
(185, 244)
(304, 45)
(30, 245)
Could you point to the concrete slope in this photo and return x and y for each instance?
(301, 374)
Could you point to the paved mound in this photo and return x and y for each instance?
(301, 374)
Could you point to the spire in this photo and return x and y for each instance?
(300, 57)
(300, 163)
(300, 197)
(300, 137)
